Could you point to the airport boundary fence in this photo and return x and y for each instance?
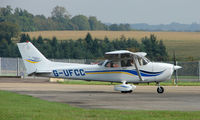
(15, 67)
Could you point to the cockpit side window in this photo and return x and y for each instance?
(101, 63)
(112, 64)
(127, 63)
(123, 64)
(108, 64)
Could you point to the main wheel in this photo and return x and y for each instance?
(160, 89)
(123, 92)
(127, 91)
(130, 91)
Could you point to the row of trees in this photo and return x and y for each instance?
(60, 19)
(90, 48)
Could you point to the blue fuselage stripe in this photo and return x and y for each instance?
(134, 72)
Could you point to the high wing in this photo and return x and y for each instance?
(123, 55)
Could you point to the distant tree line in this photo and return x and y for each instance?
(60, 19)
(194, 27)
(87, 48)
(90, 48)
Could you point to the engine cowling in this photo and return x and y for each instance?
(124, 88)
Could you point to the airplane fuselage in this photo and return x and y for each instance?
(152, 72)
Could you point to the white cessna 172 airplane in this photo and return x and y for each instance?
(121, 66)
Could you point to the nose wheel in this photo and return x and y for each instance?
(160, 89)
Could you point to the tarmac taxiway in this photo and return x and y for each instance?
(183, 98)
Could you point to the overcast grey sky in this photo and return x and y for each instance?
(119, 11)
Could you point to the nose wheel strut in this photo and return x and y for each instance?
(160, 89)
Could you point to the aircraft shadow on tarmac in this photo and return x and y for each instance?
(65, 92)
(90, 92)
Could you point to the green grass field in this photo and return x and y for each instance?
(186, 44)
(22, 107)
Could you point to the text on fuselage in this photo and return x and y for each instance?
(69, 72)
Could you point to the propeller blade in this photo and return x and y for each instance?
(175, 68)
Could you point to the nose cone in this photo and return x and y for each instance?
(167, 70)
(176, 67)
(171, 69)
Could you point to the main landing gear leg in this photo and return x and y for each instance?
(160, 89)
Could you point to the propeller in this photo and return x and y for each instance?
(175, 69)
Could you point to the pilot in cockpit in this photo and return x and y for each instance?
(111, 64)
(127, 63)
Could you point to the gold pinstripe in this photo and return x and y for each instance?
(110, 73)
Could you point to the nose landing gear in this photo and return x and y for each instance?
(160, 89)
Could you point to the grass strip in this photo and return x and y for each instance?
(22, 107)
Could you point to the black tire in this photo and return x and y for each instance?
(160, 89)
(127, 91)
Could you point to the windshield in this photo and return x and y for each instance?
(112, 64)
(143, 61)
(127, 63)
(147, 60)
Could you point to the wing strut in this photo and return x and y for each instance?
(138, 71)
